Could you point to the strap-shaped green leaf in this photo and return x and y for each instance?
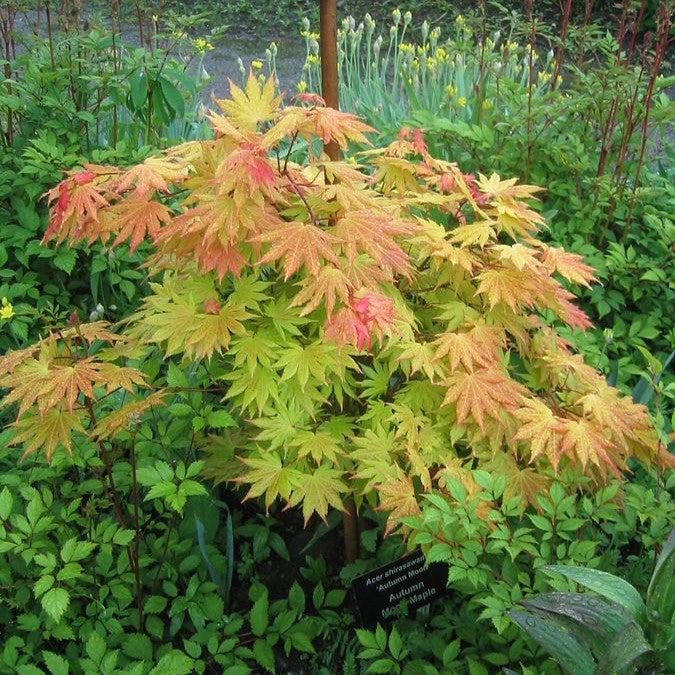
(555, 637)
(661, 591)
(627, 647)
(604, 619)
(607, 585)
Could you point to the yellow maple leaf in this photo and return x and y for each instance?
(256, 104)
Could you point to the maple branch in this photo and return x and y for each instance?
(288, 154)
(108, 467)
(297, 191)
(137, 537)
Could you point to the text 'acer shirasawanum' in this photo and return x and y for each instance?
(379, 324)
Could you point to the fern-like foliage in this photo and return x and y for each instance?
(379, 323)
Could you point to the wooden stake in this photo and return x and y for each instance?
(329, 91)
(329, 73)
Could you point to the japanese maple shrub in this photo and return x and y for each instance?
(378, 325)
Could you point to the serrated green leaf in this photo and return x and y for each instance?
(56, 664)
(137, 646)
(259, 615)
(55, 602)
(264, 655)
(174, 662)
(5, 503)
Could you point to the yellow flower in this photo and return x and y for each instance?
(451, 91)
(256, 64)
(461, 102)
(459, 19)
(301, 86)
(312, 59)
(7, 309)
(202, 45)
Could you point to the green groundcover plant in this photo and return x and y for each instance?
(315, 330)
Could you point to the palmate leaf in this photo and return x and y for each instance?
(399, 499)
(317, 491)
(257, 103)
(298, 244)
(482, 393)
(268, 476)
(47, 432)
(477, 347)
(137, 218)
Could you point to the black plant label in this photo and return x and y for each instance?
(402, 586)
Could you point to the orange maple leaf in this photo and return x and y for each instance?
(398, 497)
(298, 243)
(373, 233)
(329, 285)
(482, 393)
(476, 347)
(583, 441)
(569, 265)
(137, 217)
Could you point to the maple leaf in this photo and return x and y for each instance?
(420, 357)
(175, 315)
(253, 350)
(396, 175)
(571, 314)
(73, 205)
(494, 186)
(318, 444)
(368, 314)
(257, 103)
(476, 347)
(521, 257)
(128, 414)
(374, 456)
(526, 483)
(317, 491)
(267, 475)
(137, 218)
(540, 427)
(583, 441)
(253, 387)
(330, 124)
(510, 286)
(399, 499)
(482, 393)
(373, 233)
(149, 176)
(478, 233)
(329, 285)
(47, 431)
(569, 265)
(298, 243)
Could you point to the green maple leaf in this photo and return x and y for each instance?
(268, 476)
(317, 491)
